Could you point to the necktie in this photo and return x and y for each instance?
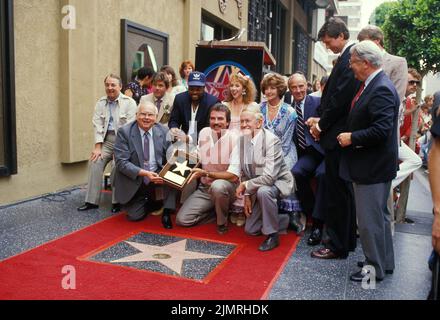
(146, 155)
(158, 103)
(300, 127)
(358, 94)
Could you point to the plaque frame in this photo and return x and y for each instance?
(166, 173)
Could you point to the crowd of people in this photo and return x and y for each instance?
(331, 155)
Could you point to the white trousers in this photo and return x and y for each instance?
(410, 163)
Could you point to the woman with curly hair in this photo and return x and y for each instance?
(280, 119)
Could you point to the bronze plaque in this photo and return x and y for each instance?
(177, 171)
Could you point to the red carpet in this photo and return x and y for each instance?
(37, 274)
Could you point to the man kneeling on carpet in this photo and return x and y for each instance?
(140, 153)
(258, 156)
(217, 186)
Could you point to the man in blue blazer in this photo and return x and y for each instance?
(190, 110)
(369, 158)
(310, 156)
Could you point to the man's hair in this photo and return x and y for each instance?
(248, 88)
(220, 107)
(323, 81)
(333, 27)
(145, 72)
(161, 76)
(296, 75)
(145, 103)
(114, 76)
(369, 51)
(371, 32)
(414, 73)
(183, 65)
(254, 109)
(276, 80)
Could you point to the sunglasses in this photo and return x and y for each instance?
(413, 82)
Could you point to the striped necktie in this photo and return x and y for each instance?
(300, 126)
(146, 155)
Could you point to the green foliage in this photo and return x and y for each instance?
(379, 14)
(412, 30)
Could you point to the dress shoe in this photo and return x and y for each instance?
(222, 229)
(87, 206)
(295, 223)
(116, 207)
(324, 253)
(166, 221)
(315, 237)
(241, 220)
(271, 242)
(142, 217)
(361, 264)
(361, 275)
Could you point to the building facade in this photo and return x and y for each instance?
(56, 53)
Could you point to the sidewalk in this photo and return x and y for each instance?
(27, 225)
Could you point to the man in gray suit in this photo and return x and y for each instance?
(265, 178)
(140, 153)
(111, 112)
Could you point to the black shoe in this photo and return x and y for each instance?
(271, 242)
(295, 222)
(142, 217)
(361, 275)
(166, 221)
(222, 229)
(360, 264)
(116, 207)
(87, 206)
(315, 237)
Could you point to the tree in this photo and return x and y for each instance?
(379, 14)
(412, 30)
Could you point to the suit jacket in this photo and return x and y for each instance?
(311, 105)
(166, 106)
(268, 167)
(181, 114)
(336, 99)
(129, 158)
(372, 157)
(396, 69)
(124, 112)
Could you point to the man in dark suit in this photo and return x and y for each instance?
(140, 153)
(310, 156)
(369, 158)
(340, 219)
(190, 110)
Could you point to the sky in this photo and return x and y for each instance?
(368, 7)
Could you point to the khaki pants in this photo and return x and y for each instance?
(96, 171)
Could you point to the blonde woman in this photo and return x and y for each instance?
(240, 94)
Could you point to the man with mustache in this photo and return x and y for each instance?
(217, 186)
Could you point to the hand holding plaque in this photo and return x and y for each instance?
(177, 172)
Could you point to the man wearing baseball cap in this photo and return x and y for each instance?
(190, 109)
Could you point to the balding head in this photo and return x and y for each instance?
(146, 115)
(298, 86)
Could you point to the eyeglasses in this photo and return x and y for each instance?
(414, 82)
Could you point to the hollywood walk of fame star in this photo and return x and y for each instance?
(182, 167)
(171, 255)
